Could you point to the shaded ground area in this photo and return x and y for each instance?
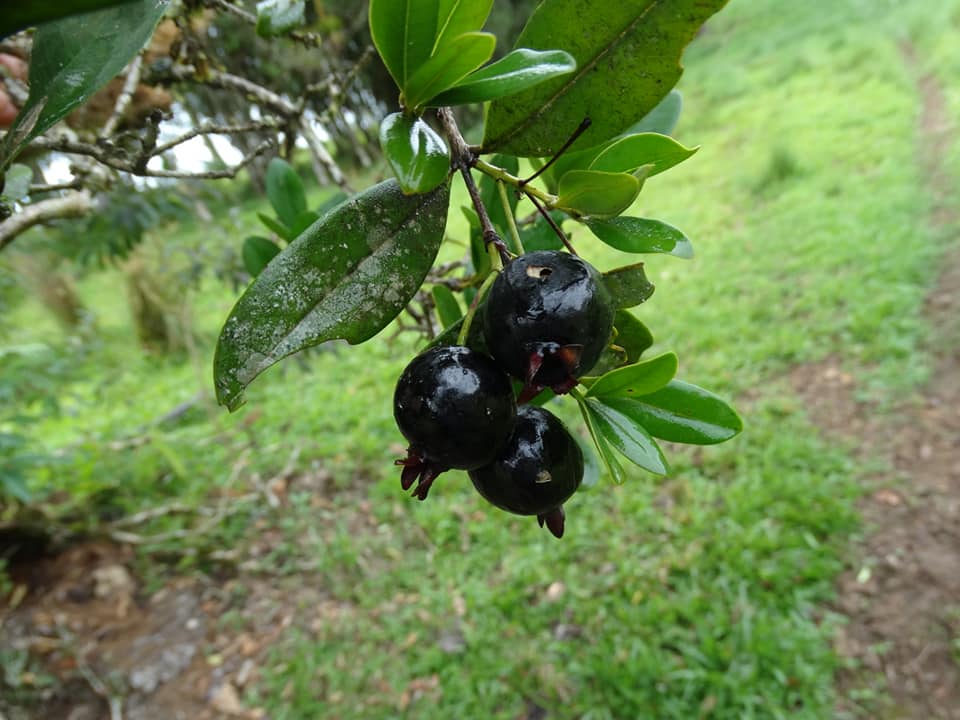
(903, 594)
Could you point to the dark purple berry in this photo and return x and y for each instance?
(540, 467)
(456, 408)
(547, 320)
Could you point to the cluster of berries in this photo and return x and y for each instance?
(546, 321)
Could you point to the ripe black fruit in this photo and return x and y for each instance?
(457, 409)
(540, 467)
(548, 318)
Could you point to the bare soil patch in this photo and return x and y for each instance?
(902, 596)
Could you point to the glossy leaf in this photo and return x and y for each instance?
(453, 62)
(517, 71)
(625, 433)
(683, 413)
(18, 16)
(448, 309)
(257, 252)
(417, 154)
(663, 118)
(597, 194)
(456, 17)
(346, 277)
(404, 32)
(74, 57)
(275, 17)
(592, 464)
(16, 182)
(285, 192)
(640, 235)
(605, 453)
(628, 285)
(631, 152)
(628, 57)
(640, 378)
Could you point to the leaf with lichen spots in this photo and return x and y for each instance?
(347, 276)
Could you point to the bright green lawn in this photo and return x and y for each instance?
(696, 596)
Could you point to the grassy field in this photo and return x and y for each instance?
(700, 595)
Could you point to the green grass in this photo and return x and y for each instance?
(701, 595)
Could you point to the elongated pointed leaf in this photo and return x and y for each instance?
(74, 57)
(257, 252)
(638, 379)
(275, 17)
(417, 154)
(448, 309)
(346, 277)
(453, 62)
(597, 194)
(605, 453)
(456, 17)
(16, 182)
(404, 32)
(285, 192)
(640, 235)
(628, 58)
(277, 227)
(517, 71)
(630, 152)
(626, 434)
(683, 413)
(628, 285)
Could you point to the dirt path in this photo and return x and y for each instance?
(903, 594)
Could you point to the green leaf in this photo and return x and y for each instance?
(74, 57)
(303, 221)
(630, 339)
(628, 285)
(632, 335)
(14, 485)
(663, 118)
(16, 182)
(417, 154)
(257, 252)
(404, 32)
(640, 235)
(539, 235)
(597, 194)
(638, 379)
(276, 17)
(453, 62)
(625, 433)
(628, 57)
(517, 71)
(684, 413)
(285, 192)
(331, 202)
(607, 456)
(630, 152)
(456, 17)
(277, 227)
(592, 465)
(18, 16)
(448, 309)
(347, 277)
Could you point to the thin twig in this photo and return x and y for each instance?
(214, 129)
(553, 223)
(584, 124)
(306, 38)
(98, 686)
(126, 95)
(74, 204)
